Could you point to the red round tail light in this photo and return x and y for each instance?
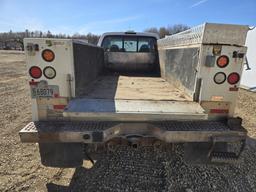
(222, 61)
(233, 78)
(35, 72)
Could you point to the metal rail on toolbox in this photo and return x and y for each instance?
(99, 132)
(207, 34)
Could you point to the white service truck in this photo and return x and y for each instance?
(136, 89)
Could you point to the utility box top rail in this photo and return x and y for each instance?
(208, 33)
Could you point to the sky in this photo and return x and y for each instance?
(95, 16)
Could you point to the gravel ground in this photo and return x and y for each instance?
(127, 169)
(147, 170)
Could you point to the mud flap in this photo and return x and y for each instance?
(63, 155)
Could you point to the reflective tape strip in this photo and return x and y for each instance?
(59, 107)
(219, 110)
(33, 82)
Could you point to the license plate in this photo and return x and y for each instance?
(42, 92)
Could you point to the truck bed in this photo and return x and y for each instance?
(133, 98)
(134, 88)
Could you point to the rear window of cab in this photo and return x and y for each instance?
(129, 44)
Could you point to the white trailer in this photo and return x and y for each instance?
(249, 77)
(135, 89)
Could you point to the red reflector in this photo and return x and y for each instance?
(59, 106)
(35, 72)
(233, 89)
(219, 111)
(233, 78)
(33, 83)
(56, 95)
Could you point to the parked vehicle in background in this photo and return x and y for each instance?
(249, 79)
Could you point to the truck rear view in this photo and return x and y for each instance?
(135, 89)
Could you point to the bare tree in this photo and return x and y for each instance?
(92, 38)
(49, 34)
(163, 32)
(152, 30)
(14, 40)
(177, 28)
(170, 30)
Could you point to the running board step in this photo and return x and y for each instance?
(223, 157)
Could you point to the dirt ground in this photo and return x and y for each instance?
(126, 170)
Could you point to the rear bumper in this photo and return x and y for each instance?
(101, 132)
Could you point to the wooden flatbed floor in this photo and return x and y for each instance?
(134, 88)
